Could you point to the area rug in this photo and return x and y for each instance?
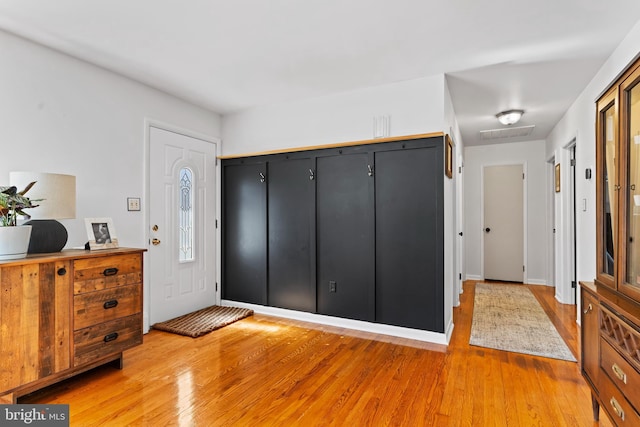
(509, 317)
(203, 321)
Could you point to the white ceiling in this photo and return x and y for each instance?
(228, 55)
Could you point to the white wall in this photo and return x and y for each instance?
(415, 106)
(532, 154)
(62, 115)
(579, 123)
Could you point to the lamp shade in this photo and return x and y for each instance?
(57, 191)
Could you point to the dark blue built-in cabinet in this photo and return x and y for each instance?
(351, 231)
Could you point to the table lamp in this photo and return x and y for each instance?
(58, 194)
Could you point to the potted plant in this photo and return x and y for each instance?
(14, 240)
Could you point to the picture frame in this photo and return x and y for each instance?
(448, 156)
(557, 180)
(101, 233)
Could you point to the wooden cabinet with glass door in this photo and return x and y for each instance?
(607, 186)
(616, 299)
(629, 283)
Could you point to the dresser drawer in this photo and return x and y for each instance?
(618, 408)
(96, 307)
(94, 274)
(621, 373)
(107, 338)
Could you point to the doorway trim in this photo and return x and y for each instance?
(148, 124)
(551, 222)
(524, 215)
(565, 220)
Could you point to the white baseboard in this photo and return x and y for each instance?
(473, 277)
(536, 282)
(359, 325)
(145, 323)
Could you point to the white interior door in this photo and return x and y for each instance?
(182, 203)
(503, 223)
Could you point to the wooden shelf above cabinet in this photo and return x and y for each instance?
(335, 145)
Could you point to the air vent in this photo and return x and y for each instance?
(509, 132)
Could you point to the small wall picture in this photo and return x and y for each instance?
(448, 157)
(101, 233)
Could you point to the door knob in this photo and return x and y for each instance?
(155, 242)
(487, 229)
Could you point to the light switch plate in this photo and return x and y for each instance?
(133, 203)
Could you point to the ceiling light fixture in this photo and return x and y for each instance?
(509, 117)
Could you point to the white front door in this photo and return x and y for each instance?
(503, 223)
(182, 213)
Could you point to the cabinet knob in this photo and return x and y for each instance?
(618, 372)
(110, 271)
(617, 409)
(110, 304)
(62, 271)
(110, 337)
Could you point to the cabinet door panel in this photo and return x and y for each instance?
(409, 238)
(629, 223)
(245, 233)
(345, 239)
(291, 221)
(590, 337)
(35, 304)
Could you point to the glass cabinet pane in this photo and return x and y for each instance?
(633, 187)
(609, 193)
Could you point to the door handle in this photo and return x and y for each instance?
(487, 230)
(460, 233)
(155, 242)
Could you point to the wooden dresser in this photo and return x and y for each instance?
(611, 353)
(610, 328)
(65, 313)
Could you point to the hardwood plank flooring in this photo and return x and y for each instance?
(266, 371)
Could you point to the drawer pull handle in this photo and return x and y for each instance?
(110, 271)
(111, 337)
(616, 408)
(588, 309)
(110, 304)
(617, 370)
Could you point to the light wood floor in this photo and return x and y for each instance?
(268, 371)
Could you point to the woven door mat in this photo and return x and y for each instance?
(203, 321)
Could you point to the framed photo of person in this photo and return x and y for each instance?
(101, 233)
